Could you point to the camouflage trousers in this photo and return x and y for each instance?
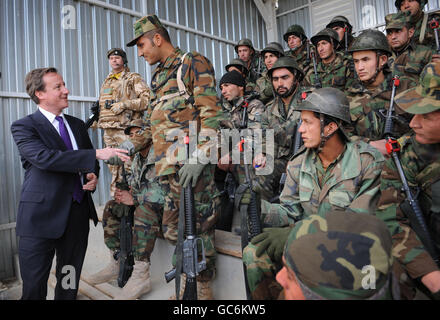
(113, 138)
(153, 219)
(207, 206)
(261, 272)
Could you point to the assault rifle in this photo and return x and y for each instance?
(412, 206)
(318, 83)
(249, 213)
(187, 253)
(434, 25)
(126, 258)
(95, 114)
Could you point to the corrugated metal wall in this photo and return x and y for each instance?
(293, 12)
(371, 13)
(32, 36)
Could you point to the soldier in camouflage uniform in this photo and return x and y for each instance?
(348, 258)
(246, 52)
(183, 97)
(280, 116)
(240, 66)
(329, 173)
(123, 97)
(409, 58)
(270, 54)
(333, 68)
(370, 95)
(145, 193)
(234, 102)
(344, 29)
(299, 47)
(420, 159)
(423, 33)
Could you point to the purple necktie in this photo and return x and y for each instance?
(78, 192)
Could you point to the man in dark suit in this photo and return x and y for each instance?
(55, 207)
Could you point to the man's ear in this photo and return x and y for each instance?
(157, 40)
(39, 94)
(411, 32)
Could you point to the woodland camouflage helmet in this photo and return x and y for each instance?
(240, 64)
(289, 63)
(327, 34)
(371, 40)
(273, 47)
(328, 102)
(296, 30)
(244, 42)
(340, 21)
(398, 4)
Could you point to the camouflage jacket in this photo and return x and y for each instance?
(145, 187)
(411, 61)
(302, 59)
(368, 110)
(337, 74)
(283, 120)
(264, 88)
(351, 182)
(421, 165)
(429, 37)
(256, 69)
(233, 112)
(129, 89)
(170, 112)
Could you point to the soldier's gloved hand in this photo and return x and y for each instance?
(114, 161)
(190, 172)
(118, 107)
(272, 241)
(129, 146)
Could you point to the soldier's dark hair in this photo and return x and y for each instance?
(329, 119)
(161, 31)
(34, 81)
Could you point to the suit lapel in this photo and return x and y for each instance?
(48, 131)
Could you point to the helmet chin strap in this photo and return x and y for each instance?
(324, 138)
(289, 92)
(378, 70)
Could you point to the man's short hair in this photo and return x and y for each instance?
(161, 31)
(34, 81)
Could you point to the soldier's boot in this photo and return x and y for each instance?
(204, 291)
(109, 273)
(138, 284)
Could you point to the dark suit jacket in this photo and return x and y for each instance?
(50, 173)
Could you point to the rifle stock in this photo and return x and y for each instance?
(94, 116)
(126, 258)
(190, 265)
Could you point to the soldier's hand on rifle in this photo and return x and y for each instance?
(432, 281)
(259, 161)
(93, 181)
(124, 197)
(381, 146)
(190, 172)
(272, 241)
(118, 107)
